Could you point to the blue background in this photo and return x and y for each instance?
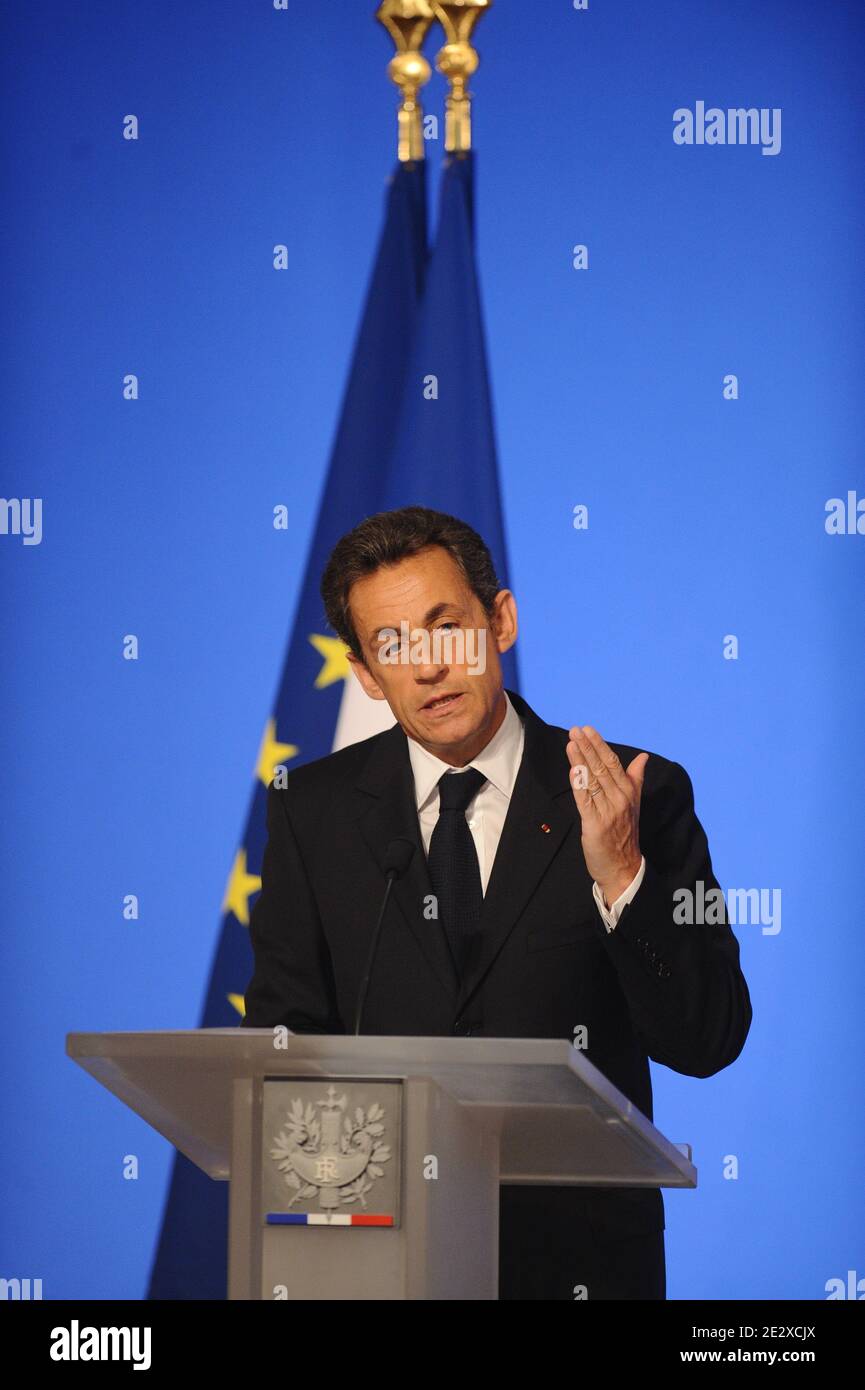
(706, 518)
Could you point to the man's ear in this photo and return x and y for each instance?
(365, 676)
(504, 620)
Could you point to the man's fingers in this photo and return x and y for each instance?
(592, 769)
(580, 777)
(578, 764)
(589, 758)
(601, 774)
(608, 759)
(636, 771)
(586, 749)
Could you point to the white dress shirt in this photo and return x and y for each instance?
(499, 762)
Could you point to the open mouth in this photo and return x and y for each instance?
(440, 704)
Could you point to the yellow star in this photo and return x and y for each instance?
(273, 754)
(241, 886)
(237, 1002)
(335, 666)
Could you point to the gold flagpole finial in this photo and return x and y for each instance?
(457, 61)
(408, 22)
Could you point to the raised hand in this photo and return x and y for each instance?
(608, 800)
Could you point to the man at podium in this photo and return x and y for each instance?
(538, 876)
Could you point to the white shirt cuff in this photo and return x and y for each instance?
(611, 915)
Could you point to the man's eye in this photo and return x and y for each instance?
(450, 623)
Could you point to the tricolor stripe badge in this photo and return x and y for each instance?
(321, 1218)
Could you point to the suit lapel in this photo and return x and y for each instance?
(387, 811)
(542, 797)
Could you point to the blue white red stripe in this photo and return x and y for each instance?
(321, 1218)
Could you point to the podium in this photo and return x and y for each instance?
(369, 1167)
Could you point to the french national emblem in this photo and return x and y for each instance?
(329, 1160)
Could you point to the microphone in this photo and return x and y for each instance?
(397, 858)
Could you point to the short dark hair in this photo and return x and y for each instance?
(387, 538)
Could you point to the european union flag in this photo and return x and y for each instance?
(191, 1258)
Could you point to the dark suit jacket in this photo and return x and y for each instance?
(546, 964)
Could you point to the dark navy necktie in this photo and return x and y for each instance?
(453, 864)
